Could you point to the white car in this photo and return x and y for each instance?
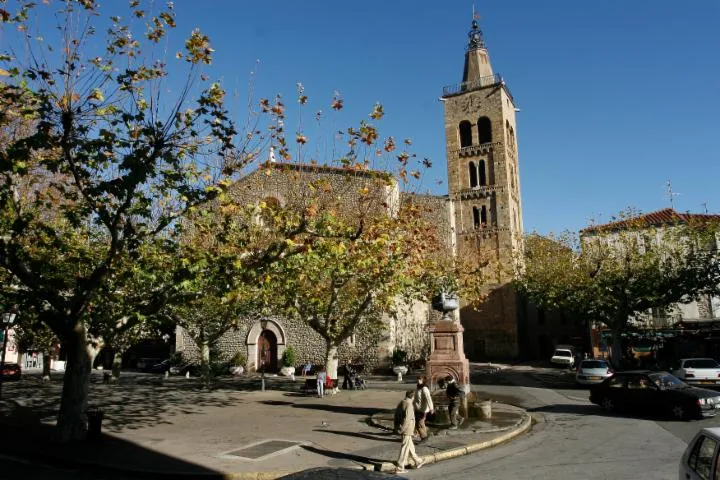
(591, 372)
(700, 460)
(698, 371)
(563, 357)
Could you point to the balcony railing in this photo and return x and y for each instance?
(475, 149)
(481, 82)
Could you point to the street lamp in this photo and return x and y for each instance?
(263, 353)
(7, 320)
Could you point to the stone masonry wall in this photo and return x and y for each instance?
(371, 348)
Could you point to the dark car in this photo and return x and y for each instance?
(161, 367)
(659, 392)
(176, 369)
(12, 371)
(146, 364)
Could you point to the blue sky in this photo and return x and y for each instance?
(617, 96)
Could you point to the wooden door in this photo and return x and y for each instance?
(267, 351)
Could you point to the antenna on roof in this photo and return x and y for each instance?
(670, 194)
(704, 204)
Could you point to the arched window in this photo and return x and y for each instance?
(512, 137)
(507, 133)
(512, 178)
(481, 170)
(484, 130)
(483, 216)
(473, 175)
(476, 217)
(465, 134)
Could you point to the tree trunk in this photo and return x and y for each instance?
(331, 361)
(116, 365)
(46, 365)
(616, 352)
(72, 418)
(205, 362)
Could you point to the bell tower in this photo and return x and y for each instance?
(484, 189)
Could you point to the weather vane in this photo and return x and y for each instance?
(476, 16)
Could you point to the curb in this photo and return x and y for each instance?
(524, 426)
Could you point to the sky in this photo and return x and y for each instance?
(616, 97)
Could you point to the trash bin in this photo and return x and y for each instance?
(95, 417)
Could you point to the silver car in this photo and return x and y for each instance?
(591, 372)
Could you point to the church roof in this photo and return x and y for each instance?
(660, 218)
(310, 167)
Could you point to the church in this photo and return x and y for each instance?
(482, 218)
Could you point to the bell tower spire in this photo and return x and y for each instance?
(477, 60)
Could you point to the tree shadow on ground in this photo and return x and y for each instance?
(129, 406)
(364, 411)
(106, 455)
(340, 455)
(276, 403)
(383, 437)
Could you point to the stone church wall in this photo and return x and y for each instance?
(408, 331)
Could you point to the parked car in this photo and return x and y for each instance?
(563, 356)
(700, 459)
(12, 371)
(167, 365)
(591, 372)
(658, 392)
(146, 364)
(698, 371)
(161, 367)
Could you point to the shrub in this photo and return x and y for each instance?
(288, 357)
(399, 357)
(238, 360)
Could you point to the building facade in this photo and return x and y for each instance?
(263, 339)
(481, 216)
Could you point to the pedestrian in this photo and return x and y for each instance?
(454, 394)
(348, 379)
(405, 426)
(423, 404)
(321, 378)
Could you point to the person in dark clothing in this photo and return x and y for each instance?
(349, 378)
(454, 394)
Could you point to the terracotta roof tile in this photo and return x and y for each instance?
(667, 216)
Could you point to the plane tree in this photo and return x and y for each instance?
(118, 160)
(613, 275)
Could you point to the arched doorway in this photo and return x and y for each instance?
(267, 351)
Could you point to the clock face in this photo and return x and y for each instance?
(469, 105)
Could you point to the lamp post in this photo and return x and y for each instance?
(7, 320)
(263, 354)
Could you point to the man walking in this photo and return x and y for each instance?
(423, 404)
(405, 426)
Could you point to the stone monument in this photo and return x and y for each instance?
(447, 356)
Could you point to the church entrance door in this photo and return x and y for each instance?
(267, 351)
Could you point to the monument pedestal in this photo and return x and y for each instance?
(447, 355)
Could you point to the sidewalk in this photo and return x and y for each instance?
(170, 431)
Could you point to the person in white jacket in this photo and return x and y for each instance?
(423, 404)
